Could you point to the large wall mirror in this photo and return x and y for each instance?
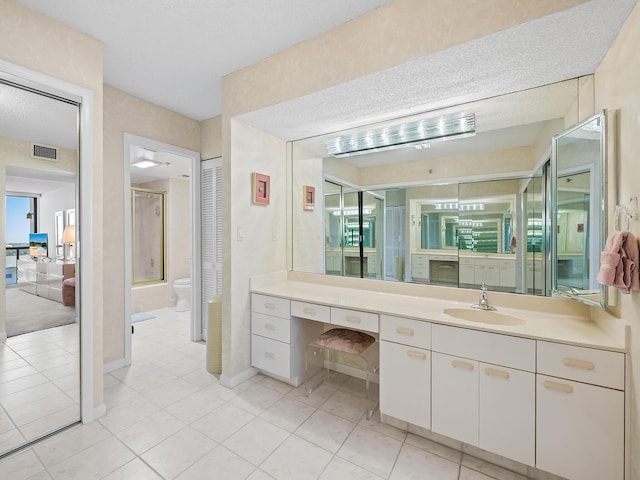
(578, 218)
(40, 319)
(458, 197)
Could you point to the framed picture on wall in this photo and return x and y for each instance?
(260, 188)
(308, 197)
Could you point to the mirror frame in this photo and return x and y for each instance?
(555, 291)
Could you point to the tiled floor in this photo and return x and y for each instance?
(39, 384)
(168, 418)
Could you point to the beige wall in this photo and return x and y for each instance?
(124, 113)
(41, 44)
(211, 145)
(617, 86)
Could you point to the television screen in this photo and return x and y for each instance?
(38, 245)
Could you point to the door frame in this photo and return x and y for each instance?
(196, 232)
(85, 206)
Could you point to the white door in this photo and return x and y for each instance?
(454, 397)
(211, 212)
(580, 430)
(405, 369)
(507, 412)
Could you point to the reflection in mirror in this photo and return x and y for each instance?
(578, 210)
(495, 230)
(39, 327)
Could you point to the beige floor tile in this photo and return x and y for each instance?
(70, 442)
(221, 464)
(256, 440)
(415, 463)
(288, 414)
(256, 399)
(223, 422)
(124, 415)
(259, 475)
(490, 469)
(21, 466)
(94, 462)
(171, 392)
(136, 469)
(340, 469)
(371, 450)
(150, 431)
(10, 439)
(177, 453)
(434, 447)
(326, 430)
(346, 405)
(194, 406)
(296, 459)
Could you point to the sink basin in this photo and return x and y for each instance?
(484, 316)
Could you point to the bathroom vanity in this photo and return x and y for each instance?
(543, 387)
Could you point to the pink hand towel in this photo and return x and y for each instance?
(610, 260)
(630, 258)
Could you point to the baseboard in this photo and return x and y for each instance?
(236, 380)
(115, 365)
(96, 413)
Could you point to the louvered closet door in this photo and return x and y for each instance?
(211, 211)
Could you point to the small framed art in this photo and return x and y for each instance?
(260, 188)
(308, 197)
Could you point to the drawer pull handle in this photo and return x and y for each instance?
(352, 319)
(574, 362)
(493, 372)
(561, 387)
(418, 355)
(269, 326)
(269, 306)
(309, 310)
(461, 364)
(269, 355)
(404, 331)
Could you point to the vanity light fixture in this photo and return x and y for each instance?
(420, 134)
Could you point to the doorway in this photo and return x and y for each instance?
(164, 262)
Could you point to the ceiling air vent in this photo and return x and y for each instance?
(44, 152)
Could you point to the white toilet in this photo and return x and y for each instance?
(182, 287)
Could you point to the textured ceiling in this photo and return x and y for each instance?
(554, 48)
(174, 53)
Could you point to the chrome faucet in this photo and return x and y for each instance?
(483, 304)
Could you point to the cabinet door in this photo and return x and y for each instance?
(580, 430)
(507, 412)
(454, 397)
(467, 272)
(405, 383)
(271, 356)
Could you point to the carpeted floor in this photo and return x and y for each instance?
(28, 313)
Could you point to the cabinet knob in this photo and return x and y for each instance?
(574, 362)
(494, 372)
(269, 326)
(461, 364)
(269, 306)
(561, 387)
(309, 310)
(269, 355)
(352, 319)
(418, 355)
(404, 331)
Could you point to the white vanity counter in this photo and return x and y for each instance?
(539, 325)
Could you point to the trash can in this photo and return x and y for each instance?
(214, 335)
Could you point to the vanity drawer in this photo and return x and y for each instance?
(589, 365)
(312, 311)
(278, 307)
(514, 352)
(271, 355)
(354, 319)
(405, 331)
(271, 327)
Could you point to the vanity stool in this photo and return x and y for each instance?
(351, 348)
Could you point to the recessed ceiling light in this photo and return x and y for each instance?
(145, 164)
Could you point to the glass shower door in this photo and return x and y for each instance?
(149, 236)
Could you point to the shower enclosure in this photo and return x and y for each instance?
(149, 240)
